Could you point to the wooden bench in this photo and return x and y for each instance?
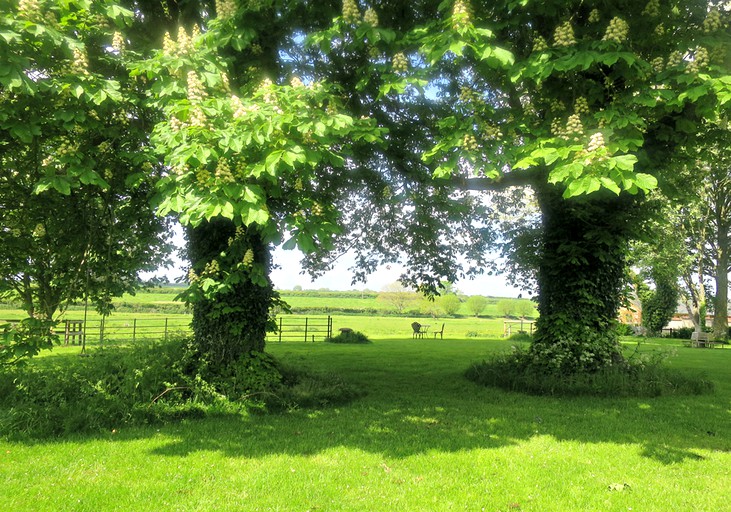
(701, 340)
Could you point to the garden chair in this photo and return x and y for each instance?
(440, 333)
(418, 333)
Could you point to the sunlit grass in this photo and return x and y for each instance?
(423, 438)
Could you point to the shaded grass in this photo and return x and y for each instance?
(640, 374)
(423, 438)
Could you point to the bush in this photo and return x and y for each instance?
(625, 330)
(681, 333)
(641, 377)
(349, 337)
(59, 395)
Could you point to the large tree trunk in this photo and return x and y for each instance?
(233, 323)
(720, 309)
(581, 273)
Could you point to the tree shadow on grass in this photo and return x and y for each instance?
(415, 408)
(419, 402)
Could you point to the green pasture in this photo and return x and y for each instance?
(320, 301)
(421, 438)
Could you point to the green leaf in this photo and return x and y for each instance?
(505, 57)
(645, 181)
(610, 184)
(624, 162)
(457, 47)
(290, 244)
(525, 163)
(61, 184)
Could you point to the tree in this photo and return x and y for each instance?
(398, 296)
(524, 308)
(77, 174)
(391, 129)
(690, 234)
(564, 97)
(716, 157)
(476, 304)
(450, 304)
(506, 307)
(659, 305)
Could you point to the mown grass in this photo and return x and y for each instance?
(422, 438)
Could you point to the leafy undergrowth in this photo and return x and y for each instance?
(152, 384)
(639, 376)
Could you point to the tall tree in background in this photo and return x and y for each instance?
(716, 163)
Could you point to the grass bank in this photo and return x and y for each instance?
(423, 438)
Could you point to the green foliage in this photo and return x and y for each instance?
(683, 333)
(476, 304)
(624, 330)
(156, 383)
(25, 339)
(304, 388)
(349, 337)
(521, 336)
(659, 305)
(76, 169)
(644, 376)
(449, 304)
(506, 307)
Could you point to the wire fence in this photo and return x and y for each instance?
(123, 330)
(293, 328)
(290, 328)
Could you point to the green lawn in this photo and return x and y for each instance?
(422, 438)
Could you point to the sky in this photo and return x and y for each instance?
(289, 274)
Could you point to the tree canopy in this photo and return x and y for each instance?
(389, 128)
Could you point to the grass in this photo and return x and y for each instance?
(423, 438)
(319, 301)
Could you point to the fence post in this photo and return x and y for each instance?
(134, 330)
(280, 329)
(305, 329)
(166, 329)
(329, 326)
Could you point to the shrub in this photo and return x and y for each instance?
(149, 384)
(644, 376)
(682, 333)
(624, 330)
(349, 337)
(521, 336)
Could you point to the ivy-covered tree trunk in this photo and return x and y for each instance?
(581, 270)
(233, 322)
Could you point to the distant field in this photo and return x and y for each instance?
(155, 314)
(317, 301)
